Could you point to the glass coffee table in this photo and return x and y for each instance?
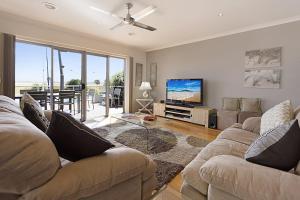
(136, 119)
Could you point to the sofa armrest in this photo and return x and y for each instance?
(245, 115)
(226, 118)
(252, 124)
(92, 175)
(250, 181)
(236, 125)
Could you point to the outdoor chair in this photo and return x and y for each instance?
(116, 97)
(91, 97)
(68, 95)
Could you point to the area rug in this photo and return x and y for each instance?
(171, 151)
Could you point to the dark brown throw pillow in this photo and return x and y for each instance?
(34, 113)
(74, 140)
(278, 148)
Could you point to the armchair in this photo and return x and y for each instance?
(237, 110)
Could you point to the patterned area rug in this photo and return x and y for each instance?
(171, 151)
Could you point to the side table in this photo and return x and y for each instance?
(145, 104)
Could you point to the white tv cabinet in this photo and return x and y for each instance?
(196, 115)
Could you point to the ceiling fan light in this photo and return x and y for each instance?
(149, 10)
(99, 10)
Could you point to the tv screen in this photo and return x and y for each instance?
(185, 90)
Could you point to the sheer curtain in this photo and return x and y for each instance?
(9, 65)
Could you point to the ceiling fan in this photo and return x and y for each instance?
(131, 19)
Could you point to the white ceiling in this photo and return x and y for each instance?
(177, 21)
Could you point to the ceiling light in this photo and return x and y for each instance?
(50, 6)
(220, 14)
(147, 11)
(99, 10)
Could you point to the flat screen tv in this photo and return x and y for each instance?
(187, 92)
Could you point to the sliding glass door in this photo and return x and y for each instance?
(96, 69)
(117, 83)
(32, 68)
(67, 83)
(104, 86)
(88, 86)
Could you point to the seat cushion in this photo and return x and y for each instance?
(232, 141)
(230, 104)
(250, 105)
(90, 176)
(28, 157)
(74, 140)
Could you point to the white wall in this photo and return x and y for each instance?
(220, 62)
(30, 30)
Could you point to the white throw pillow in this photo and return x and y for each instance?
(276, 116)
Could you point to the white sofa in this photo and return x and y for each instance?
(30, 167)
(220, 172)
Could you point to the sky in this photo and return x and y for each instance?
(31, 64)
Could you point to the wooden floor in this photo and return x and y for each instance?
(172, 191)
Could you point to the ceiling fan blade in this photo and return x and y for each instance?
(105, 12)
(117, 25)
(144, 26)
(143, 13)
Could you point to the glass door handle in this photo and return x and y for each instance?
(82, 86)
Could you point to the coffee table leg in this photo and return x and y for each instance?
(147, 137)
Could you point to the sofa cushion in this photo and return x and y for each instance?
(231, 104)
(232, 141)
(36, 116)
(250, 105)
(278, 148)
(249, 181)
(28, 157)
(223, 147)
(34, 112)
(238, 135)
(97, 174)
(245, 115)
(9, 105)
(191, 176)
(252, 124)
(276, 116)
(74, 140)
